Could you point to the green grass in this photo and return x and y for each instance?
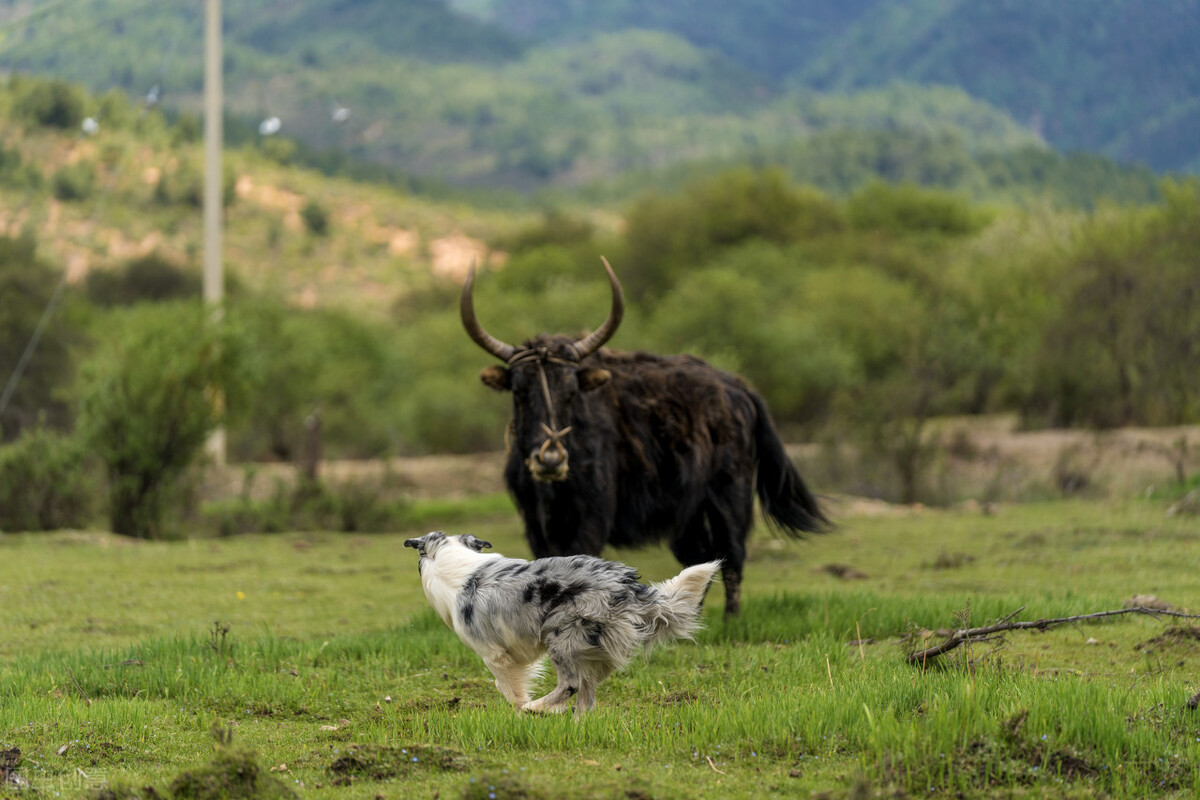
(320, 654)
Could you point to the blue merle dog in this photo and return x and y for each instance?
(589, 616)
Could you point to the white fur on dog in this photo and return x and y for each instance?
(587, 615)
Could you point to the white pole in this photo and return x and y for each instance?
(214, 280)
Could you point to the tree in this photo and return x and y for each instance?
(154, 393)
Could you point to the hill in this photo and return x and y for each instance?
(440, 94)
(1117, 77)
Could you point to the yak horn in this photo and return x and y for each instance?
(592, 342)
(491, 344)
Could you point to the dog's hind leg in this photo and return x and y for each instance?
(568, 686)
(593, 673)
(578, 681)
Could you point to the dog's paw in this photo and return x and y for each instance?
(539, 707)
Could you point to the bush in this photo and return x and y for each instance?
(44, 483)
(316, 218)
(15, 172)
(50, 103)
(27, 285)
(348, 506)
(75, 182)
(668, 236)
(153, 395)
(151, 277)
(910, 209)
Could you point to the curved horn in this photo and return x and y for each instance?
(490, 343)
(592, 342)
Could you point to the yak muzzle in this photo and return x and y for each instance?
(551, 461)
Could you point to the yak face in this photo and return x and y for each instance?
(546, 380)
(546, 376)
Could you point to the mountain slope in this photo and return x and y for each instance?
(1120, 77)
(771, 37)
(443, 95)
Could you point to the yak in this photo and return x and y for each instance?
(629, 448)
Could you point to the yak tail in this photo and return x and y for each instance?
(786, 501)
(676, 611)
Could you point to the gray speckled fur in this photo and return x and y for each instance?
(588, 615)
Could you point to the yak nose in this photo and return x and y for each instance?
(549, 462)
(550, 457)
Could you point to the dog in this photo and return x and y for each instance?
(587, 615)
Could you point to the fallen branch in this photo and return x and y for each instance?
(988, 632)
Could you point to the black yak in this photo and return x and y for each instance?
(607, 447)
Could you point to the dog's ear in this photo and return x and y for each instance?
(474, 542)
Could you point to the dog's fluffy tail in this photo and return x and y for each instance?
(677, 610)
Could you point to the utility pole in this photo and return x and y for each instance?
(214, 278)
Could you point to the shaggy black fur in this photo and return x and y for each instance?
(659, 447)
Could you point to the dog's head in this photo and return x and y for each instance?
(431, 543)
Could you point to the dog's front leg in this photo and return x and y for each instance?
(512, 678)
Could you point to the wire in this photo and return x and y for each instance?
(52, 304)
(67, 38)
(36, 14)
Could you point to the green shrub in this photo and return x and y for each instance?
(152, 277)
(153, 394)
(670, 235)
(27, 284)
(15, 172)
(75, 182)
(44, 482)
(348, 506)
(907, 208)
(50, 103)
(316, 218)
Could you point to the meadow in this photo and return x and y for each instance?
(131, 664)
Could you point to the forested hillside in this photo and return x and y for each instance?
(605, 97)
(863, 315)
(1119, 77)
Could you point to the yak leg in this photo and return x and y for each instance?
(693, 544)
(718, 530)
(732, 578)
(730, 517)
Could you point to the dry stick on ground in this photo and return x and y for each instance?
(986, 632)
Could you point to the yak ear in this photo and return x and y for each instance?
(474, 542)
(495, 377)
(590, 379)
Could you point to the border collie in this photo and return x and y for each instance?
(589, 616)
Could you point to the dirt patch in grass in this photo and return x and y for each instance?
(231, 774)
(675, 699)
(381, 762)
(1183, 636)
(443, 703)
(510, 787)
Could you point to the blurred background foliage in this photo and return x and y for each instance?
(860, 315)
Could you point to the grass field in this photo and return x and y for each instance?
(118, 660)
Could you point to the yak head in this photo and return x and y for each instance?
(545, 375)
